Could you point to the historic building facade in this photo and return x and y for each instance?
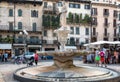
(16, 16)
(104, 15)
(41, 18)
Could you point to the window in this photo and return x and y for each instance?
(94, 31)
(77, 41)
(94, 21)
(106, 12)
(119, 17)
(19, 25)
(87, 6)
(20, 39)
(77, 30)
(115, 13)
(106, 22)
(34, 13)
(45, 4)
(94, 11)
(114, 32)
(19, 12)
(71, 5)
(105, 31)
(60, 4)
(86, 40)
(72, 41)
(77, 5)
(86, 31)
(72, 30)
(34, 26)
(119, 30)
(45, 32)
(11, 26)
(10, 12)
(114, 23)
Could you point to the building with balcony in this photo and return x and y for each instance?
(104, 14)
(89, 21)
(19, 15)
(78, 20)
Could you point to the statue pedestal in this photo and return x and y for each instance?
(63, 61)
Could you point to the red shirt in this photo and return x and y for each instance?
(36, 57)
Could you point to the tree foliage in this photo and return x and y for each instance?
(78, 19)
(50, 21)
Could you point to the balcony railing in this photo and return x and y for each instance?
(115, 14)
(106, 14)
(106, 34)
(28, 41)
(34, 41)
(95, 34)
(28, 28)
(49, 42)
(49, 9)
(4, 27)
(106, 24)
(94, 14)
(94, 23)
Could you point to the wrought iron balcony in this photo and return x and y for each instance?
(50, 42)
(5, 27)
(95, 34)
(11, 29)
(106, 34)
(115, 14)
(49, 9)
(34, 41)
(94, 23)
(94, 14)
(106, 14)
(28, 41)
(106, 24)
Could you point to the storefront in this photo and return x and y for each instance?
(19, 49)
(32, 48)
(6, 48)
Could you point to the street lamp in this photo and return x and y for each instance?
(24, 33)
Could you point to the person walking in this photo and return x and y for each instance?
(102, 57)
(36, 58)
(6, 56)
(97, 57)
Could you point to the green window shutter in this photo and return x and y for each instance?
(19, 12)
(10, 12)
(77, 30)
(19, 25)
(34, 26)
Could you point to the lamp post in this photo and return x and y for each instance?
(14, 6)
(24, 33)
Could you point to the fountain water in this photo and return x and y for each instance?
(63, 69)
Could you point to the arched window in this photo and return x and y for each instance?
(11, 12)
(19, 25)
(19, 12)
(34, 26)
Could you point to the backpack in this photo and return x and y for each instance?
(102, 53)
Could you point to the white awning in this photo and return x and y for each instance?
(38, 46)
(5, 46)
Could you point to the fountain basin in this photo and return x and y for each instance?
(74, 74)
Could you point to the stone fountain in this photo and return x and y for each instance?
(63, 69)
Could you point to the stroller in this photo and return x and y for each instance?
(30, 61)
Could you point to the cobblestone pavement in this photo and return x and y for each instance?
(7, 69)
